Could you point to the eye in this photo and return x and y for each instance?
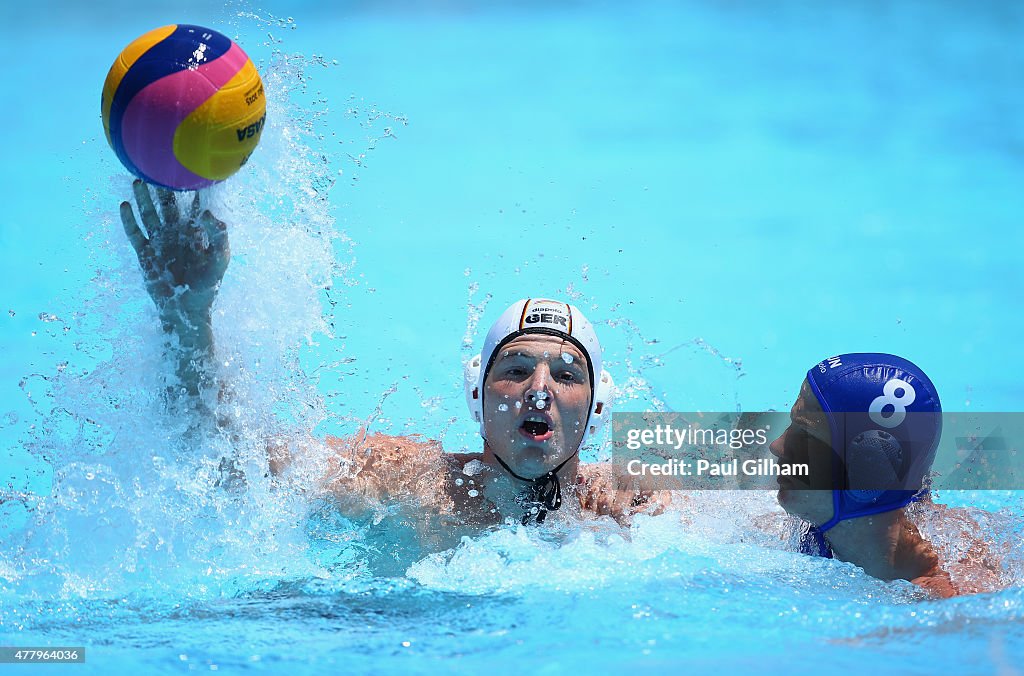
(567, 377)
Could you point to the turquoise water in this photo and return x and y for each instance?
(732, 191)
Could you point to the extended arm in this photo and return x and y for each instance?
(183, 258)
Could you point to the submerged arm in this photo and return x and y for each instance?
(599, 494)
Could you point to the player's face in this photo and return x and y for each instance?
(536, 401)
(806, 440)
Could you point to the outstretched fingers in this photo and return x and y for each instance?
(146, 209)
(217, 235)
(193, 211)
(216, 230)
(137, 238)
(131, 228)
(168, 205)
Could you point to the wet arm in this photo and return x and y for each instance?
(599, 495)
(183, 258)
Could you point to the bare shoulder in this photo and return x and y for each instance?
(366, 468)
(964, 556)
(938, 583)
(384, 466)
(361, 452)
(386, 452)
(592, 471)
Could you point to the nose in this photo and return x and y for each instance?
(539, 382)
(778, 446)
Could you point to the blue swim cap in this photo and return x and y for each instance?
(884, 418)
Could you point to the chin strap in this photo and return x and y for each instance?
(543, 495)
(813, 542)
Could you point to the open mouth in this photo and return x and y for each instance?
(536, 427)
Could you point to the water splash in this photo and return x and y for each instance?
(474, 312)
(141, 500)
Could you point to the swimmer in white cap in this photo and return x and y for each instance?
(537, 389)
(539, 392)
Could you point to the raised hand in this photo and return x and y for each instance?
(183, 259)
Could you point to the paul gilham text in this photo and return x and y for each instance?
(674, 467)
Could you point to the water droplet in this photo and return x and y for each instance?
(566, 357)
(473, 493)
(458, 482)
(540, 403)
(519, 404)
(502, 407)
(546, 354)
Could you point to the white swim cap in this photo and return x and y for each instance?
(551, 317)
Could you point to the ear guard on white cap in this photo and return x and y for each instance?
(471, 385)
(604, 397)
